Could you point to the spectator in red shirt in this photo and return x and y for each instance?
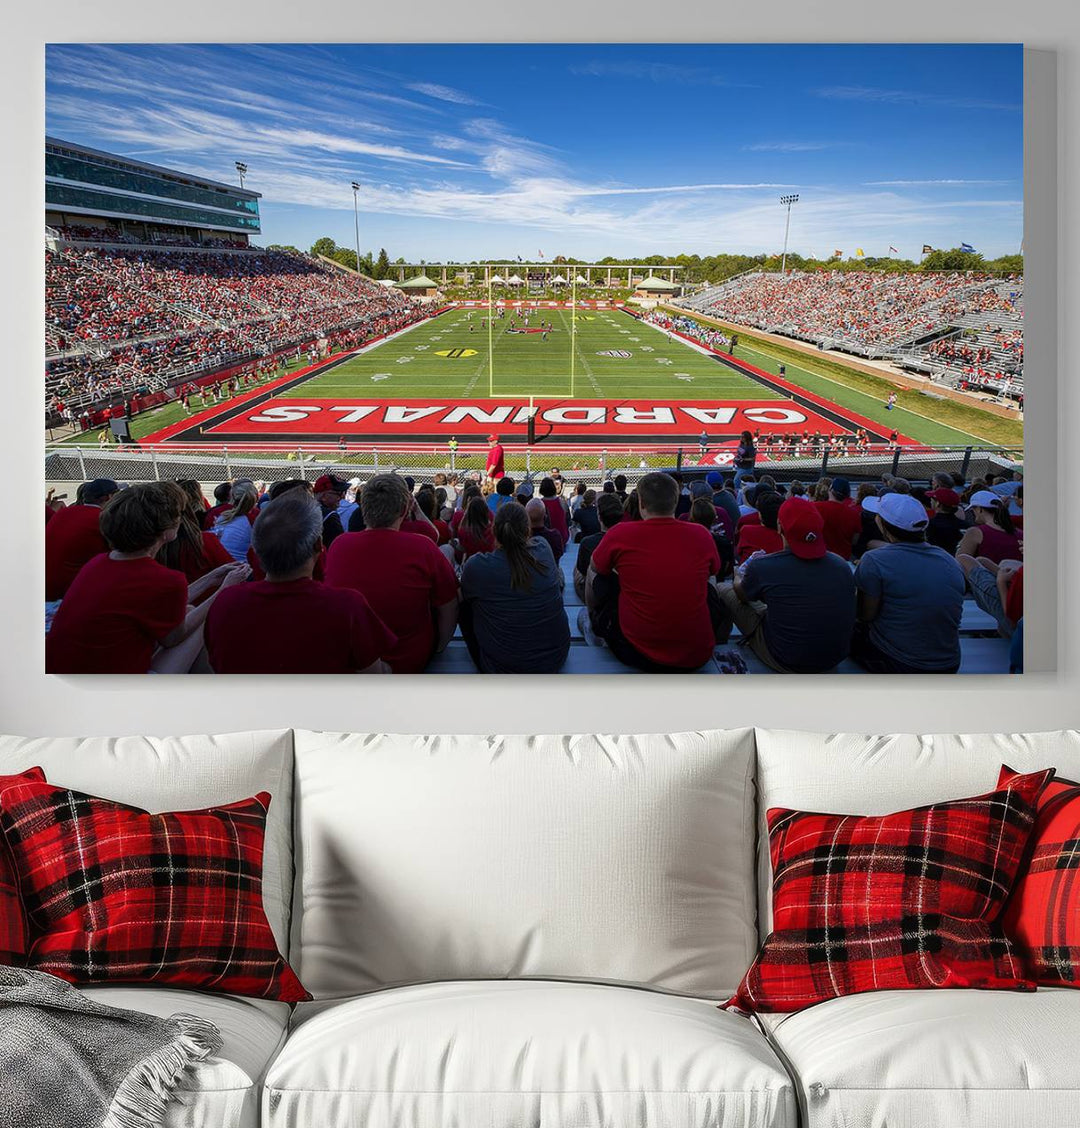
(125, 613)
(289, 623)
(222, 496)
(408, 582)
(841, 517)
(992, 534)
(765, 535)
(428, 505)
(649, 585)
(558, 510)
(475, 527)
(493, 468)
(73, 536)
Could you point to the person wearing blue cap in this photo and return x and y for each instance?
(723, 498)
(842, 517)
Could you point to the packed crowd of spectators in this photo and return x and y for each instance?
(378, 575)
(862, 311)
(118, 319)
(988, 358)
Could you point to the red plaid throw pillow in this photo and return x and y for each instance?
(13, 932)
(908, 900)
(117, 895)
(1042, 917)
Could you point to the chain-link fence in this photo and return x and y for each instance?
(66, 463)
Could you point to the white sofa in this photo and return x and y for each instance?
(534, 932)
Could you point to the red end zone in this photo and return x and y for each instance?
(614, 419)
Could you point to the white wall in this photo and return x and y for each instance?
(32, 703)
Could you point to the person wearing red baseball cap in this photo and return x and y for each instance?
(795, 608)
(329, 489)
(495, 458)
(945, 528)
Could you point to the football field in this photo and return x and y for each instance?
(593, 375)
(601, 354)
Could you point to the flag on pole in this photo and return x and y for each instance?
(858, 252)
(967, 248)
(894, 250)
(927, 249)
(540, 253)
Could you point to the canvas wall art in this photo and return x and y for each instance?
(534, 359)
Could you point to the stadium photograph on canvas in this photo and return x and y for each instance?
(534, 359)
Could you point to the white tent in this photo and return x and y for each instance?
(558, 280)
(496, 280)
(513, 280)
(581, 281)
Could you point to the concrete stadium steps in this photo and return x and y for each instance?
(983, 651)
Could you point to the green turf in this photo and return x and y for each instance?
(524, 364)
(907, 422)
(409, 367)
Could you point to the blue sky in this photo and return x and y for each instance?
(474, 151)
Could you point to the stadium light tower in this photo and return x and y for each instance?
(356, 224)
(787, 201)
(242, 169)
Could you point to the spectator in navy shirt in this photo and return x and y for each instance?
(911, 595)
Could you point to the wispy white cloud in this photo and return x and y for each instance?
(444, 93)
(590, 191)
(929, 183)
(792, 146)
(909, 98)
(308, 125)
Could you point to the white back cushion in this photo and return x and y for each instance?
(181, 773)
(625, 859)
(851, 773)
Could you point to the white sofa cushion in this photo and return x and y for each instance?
(852, 773)
(912, 1059)
(223, 1091)
(178, 774)
(625, 859)
(523, 1054)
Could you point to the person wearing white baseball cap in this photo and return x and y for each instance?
(910, 595)
(992, 534)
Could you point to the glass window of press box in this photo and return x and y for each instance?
(128, 180)
(62, 196)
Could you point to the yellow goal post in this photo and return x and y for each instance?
(489, 307)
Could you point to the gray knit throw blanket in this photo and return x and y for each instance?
(67, 1061)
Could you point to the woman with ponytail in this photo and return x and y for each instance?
(512, 614)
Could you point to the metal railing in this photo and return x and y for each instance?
(72, 462)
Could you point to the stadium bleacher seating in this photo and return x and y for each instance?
(120, 318)
(869, 313)
(982, 650)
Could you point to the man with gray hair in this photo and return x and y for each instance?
(409, 583)
(289, 623)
